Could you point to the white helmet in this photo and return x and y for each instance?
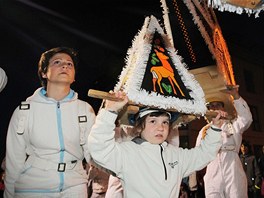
(3, 79)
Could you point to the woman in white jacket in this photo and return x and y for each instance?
(224, 175)
(47, 135)
(148, 166)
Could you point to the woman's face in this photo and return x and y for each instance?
(244, 149)
(61, 70)
(215, 106)
(156, 129)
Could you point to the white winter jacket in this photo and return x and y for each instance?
(147, 170)
(44, 150)
(225, 176)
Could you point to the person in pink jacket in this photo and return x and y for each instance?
(225, 177)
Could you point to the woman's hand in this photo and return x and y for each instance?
(233, 91)
(219, 119)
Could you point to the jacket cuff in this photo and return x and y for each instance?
(107, 115)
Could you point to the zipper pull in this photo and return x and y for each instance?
(58, 105)
(161, 147)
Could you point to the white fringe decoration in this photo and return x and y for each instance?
(200, 25)
(223, 6)
(166, 20)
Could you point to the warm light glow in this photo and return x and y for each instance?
(223, 59)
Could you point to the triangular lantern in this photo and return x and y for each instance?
(156, 76)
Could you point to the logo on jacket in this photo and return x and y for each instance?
(172, 164)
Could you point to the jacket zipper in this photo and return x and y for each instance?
(165, 170)
(61, 156)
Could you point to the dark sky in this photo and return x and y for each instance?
(101, 31)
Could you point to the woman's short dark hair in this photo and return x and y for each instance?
(247, 144)
(46, 56)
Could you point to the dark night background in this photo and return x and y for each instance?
(101, 31)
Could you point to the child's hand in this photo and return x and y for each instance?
(116, 106)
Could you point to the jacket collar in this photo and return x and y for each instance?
(139, 140)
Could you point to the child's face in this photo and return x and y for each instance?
(156, 129)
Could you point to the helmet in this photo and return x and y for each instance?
(143, 111)
(3, 79)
